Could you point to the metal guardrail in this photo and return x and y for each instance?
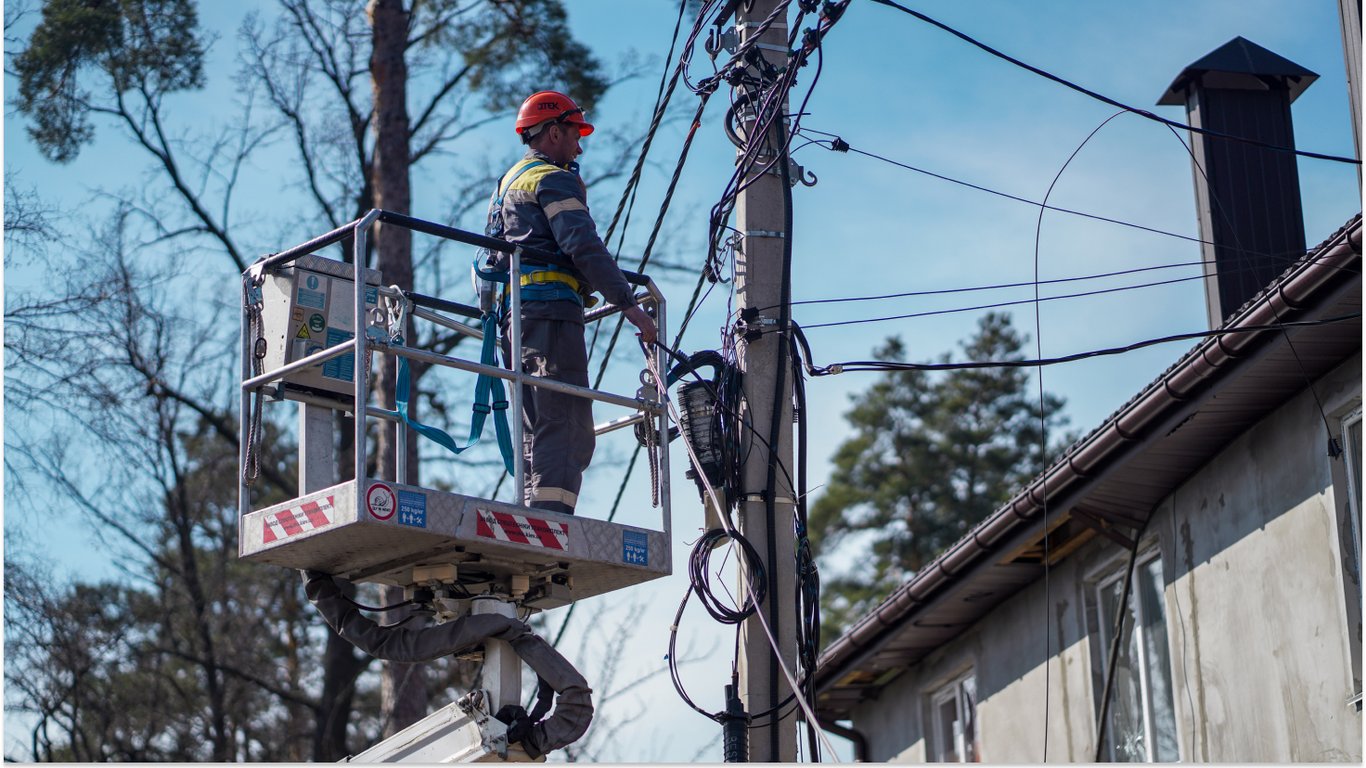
(358, 232)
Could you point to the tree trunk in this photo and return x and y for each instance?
(404, 692)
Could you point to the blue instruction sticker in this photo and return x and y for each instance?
(412, 509)
(307, 298)
(635, 548)
(341, 368)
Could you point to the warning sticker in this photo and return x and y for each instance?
(303, 333)
(292, 521)
(412, 509)
(520, 529)
(635, 548)
(316, 323)
(298, 314)
(381, 502)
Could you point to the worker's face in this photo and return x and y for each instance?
(562, 143)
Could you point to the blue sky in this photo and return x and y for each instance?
(896, 87)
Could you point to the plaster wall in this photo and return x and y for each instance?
(1254, 595)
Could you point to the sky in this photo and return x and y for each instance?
(896, 87)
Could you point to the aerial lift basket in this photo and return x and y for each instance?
(299, 343)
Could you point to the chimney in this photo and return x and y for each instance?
(1248, 196)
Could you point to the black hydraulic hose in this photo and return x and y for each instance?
(573, 705)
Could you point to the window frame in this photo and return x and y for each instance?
(1097, 582)
(1353, 474)
(955, 691)
(1352, 465)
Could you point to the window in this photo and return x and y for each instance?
(1140, 724)
(1351, 438)
(1349, 530)
(954, 709)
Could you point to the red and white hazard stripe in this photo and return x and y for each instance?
(520, 529)
(292, 521)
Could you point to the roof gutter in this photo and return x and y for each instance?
(1178, 387)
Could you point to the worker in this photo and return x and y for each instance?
(542, 203)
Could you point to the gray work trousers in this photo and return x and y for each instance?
(557, 439)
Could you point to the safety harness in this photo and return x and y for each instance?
(539, 282)
(489, 397)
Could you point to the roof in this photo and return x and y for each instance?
(1239, 63)
(1108, 482)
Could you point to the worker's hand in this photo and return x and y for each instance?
(644, 323)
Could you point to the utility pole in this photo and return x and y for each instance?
(765, 519)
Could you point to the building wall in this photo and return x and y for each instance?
(1254, 597)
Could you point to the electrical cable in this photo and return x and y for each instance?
(778, 417)
(1030, 283)
(1017, 302)
(839, 145)
(654, 233)
(1333, 448)
(1043, 429)
(882, 365)
(1012, 303)
(734, 535)
(1106, 99)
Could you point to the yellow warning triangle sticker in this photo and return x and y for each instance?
(303, 333)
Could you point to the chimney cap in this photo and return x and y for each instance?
(1239, 64)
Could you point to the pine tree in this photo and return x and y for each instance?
(931, 456)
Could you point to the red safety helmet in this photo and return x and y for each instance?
(551, 105)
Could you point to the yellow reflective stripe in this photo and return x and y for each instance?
(527, 182)
(550, 276)
(502, 183)
(560, 206)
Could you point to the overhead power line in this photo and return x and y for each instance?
(838, 144)
(886, 365)
(1106, 99)
(1031, 283)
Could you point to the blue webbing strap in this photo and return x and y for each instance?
(483, 388)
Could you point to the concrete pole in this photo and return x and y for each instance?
(759, 270)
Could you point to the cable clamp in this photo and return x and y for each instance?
(762, 496)
(795, 172)
(752, 325)
(718, 39)
(777, 24)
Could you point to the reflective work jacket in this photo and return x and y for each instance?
(545, 206)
